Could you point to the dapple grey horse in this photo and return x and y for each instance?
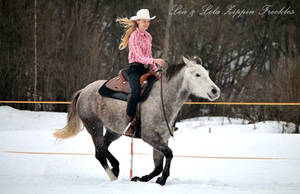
(96, 112)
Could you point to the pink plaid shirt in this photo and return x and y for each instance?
(140, 48)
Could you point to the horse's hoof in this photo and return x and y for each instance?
(145, 178)
(116, 171)
(161, 181)
(135, 179)
(111, 175)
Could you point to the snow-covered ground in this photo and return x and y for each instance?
(211, 155)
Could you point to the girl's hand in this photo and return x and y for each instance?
(159, 61)
(158, 75)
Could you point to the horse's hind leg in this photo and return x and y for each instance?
(95, 127)
(102, 153)
(109, 137)
(158, 158)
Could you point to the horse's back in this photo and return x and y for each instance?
(89, 96)
(94, 85)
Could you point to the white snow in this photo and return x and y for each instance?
(211, 155)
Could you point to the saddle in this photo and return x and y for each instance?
(119, 88)
(121, 84)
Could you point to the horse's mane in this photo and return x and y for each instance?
(174, 69)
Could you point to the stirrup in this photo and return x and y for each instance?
(129, 130)
(126, 128)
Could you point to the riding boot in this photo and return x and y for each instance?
(131, 129)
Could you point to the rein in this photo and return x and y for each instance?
(163, 104)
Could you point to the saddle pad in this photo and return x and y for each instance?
(107, 92)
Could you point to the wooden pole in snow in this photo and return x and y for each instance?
(131, 158)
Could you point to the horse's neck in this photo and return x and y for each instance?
(175, 94)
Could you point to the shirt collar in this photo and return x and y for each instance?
(141, 33)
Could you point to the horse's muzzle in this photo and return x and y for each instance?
(214, 94)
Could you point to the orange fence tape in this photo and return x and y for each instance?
(249, 103)
(33, 102)
(143, 154)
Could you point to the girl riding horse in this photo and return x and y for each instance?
(139, 42)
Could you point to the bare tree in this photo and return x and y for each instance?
(167, 30)
(77, 43)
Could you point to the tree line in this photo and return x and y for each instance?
(251, 49)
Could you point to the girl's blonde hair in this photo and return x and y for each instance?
(129, 26)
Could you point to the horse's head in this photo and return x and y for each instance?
(199, 82)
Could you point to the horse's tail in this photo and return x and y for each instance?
(73, 126)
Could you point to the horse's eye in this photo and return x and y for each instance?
(197, 75)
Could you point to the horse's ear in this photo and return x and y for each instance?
(198, 60)
(186, 61)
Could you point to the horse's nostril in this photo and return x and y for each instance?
(214, 91)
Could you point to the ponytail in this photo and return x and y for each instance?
(129, 26)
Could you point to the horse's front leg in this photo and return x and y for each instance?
(158, 159)
(158, 143)
(166, 171)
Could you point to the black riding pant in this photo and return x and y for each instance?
(135, 71)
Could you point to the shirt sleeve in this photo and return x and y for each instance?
(134, 47)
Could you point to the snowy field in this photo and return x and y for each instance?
(211, 155)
